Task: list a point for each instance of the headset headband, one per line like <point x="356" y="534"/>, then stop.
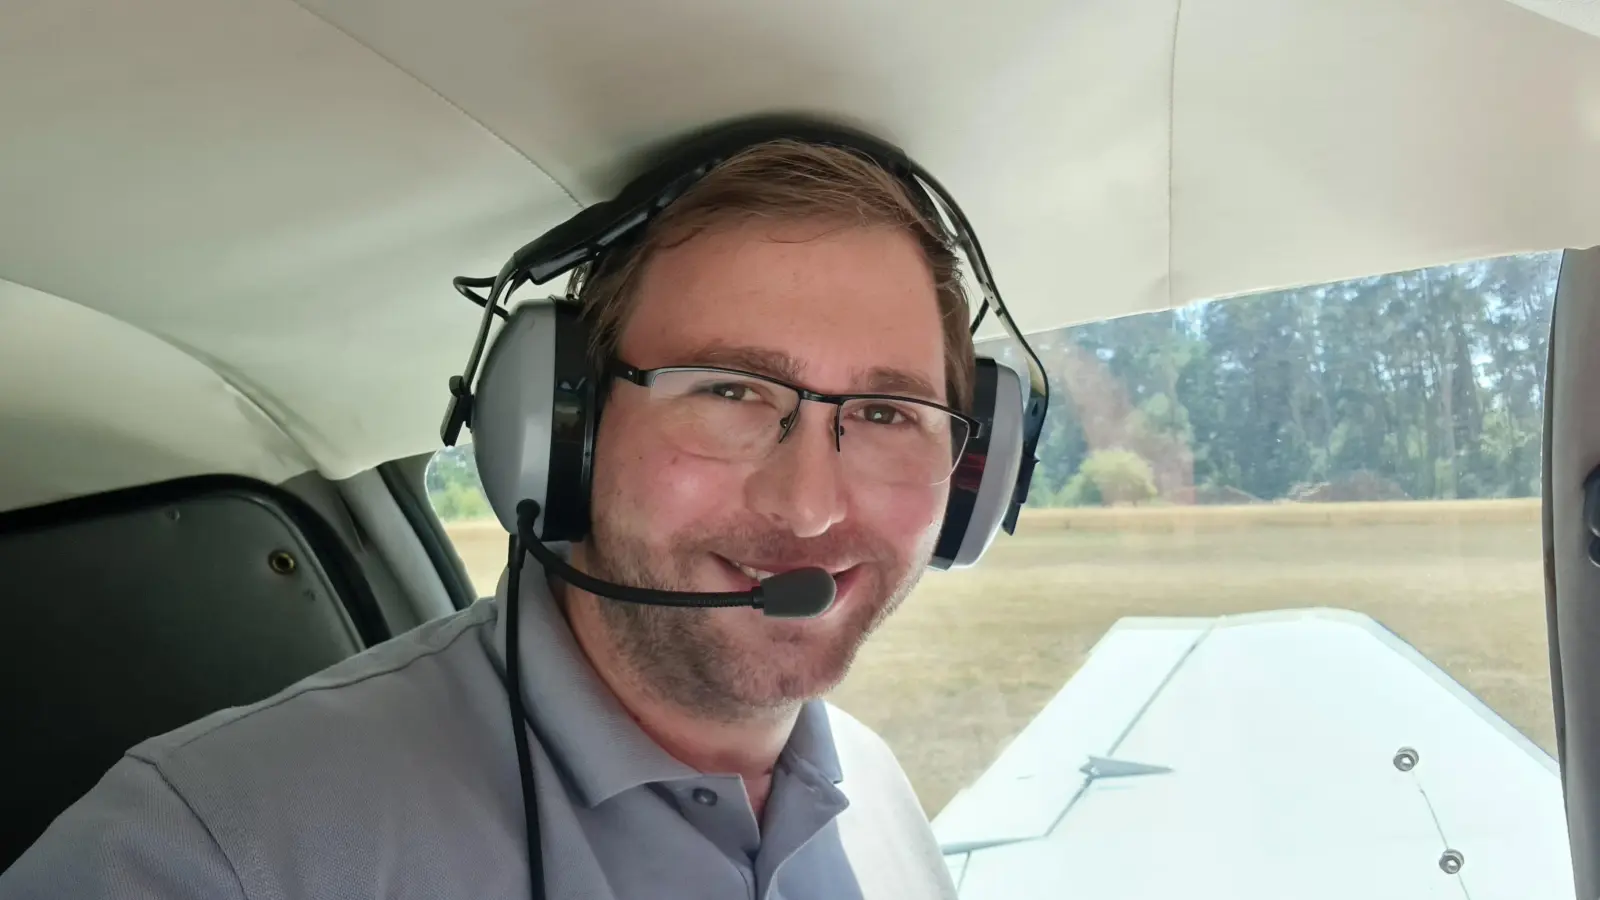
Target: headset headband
<point x="592" y="232"/>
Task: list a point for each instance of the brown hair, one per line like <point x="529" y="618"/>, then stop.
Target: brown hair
<point x="785" y="180"/>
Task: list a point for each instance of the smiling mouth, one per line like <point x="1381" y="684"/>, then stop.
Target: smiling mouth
<point x="752" y="575"/>
<point x="756" y="576"/>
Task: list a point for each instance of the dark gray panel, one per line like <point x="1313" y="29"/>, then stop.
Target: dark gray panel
<point x="139" y="620"/>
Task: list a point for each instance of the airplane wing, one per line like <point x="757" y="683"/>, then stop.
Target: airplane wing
<point x="1298" y="753"/>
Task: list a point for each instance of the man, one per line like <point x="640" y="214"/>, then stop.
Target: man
<point x="676" y="753"/>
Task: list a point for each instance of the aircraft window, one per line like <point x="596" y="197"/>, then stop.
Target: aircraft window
<point x="1275" y="612"/>
<point x="458" y="500"/>
<point x="1278" y="596"/>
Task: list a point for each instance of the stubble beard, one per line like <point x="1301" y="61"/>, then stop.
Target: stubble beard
<point x="695" y="659"/>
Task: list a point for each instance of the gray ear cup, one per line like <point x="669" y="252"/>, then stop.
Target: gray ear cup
<point x="986" y="477"/>
<point x="533" y="419"/>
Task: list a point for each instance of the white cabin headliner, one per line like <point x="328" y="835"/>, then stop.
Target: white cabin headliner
<point x="227" y="231"/>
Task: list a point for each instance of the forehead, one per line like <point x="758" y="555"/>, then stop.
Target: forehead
<point x="840" y="300"/>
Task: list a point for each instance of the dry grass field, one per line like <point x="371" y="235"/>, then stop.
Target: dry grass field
<point x="973" y="655"/>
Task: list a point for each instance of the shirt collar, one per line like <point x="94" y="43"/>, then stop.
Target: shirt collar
<point x="812" y="741"/>
<point x="583" y="726"/>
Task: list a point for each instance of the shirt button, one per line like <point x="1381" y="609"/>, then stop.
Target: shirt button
<point x="704" y="796"/>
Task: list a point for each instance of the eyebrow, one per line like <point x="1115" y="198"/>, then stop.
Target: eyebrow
<point x="780" y="365"/>
<point x="884" y="380"/>
<point x="761" y="361"/>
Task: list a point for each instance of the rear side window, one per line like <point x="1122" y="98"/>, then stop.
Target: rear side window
<point x="458" y="500"/>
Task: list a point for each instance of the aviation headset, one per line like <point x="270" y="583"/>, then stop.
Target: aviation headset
<point x="537" y="403"/>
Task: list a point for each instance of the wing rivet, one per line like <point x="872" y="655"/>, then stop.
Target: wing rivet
<point x="1406" y="759"/>
<point x="1452" y="861"/>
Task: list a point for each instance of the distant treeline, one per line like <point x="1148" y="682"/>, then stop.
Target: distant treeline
<point x="1426" y="385"/>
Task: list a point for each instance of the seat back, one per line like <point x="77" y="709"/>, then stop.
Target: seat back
<point x="132" y="614"/>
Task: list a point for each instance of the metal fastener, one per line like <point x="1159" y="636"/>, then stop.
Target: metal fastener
<point x="281" y="561"/>
<point x="1452" y="861"/>
<point x="1405" y="759"/>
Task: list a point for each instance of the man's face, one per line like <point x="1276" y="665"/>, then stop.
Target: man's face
<point x="832" y="308"/>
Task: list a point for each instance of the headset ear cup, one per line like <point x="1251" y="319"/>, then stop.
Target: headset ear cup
<point x="575" y="410"/>
<point x="533" y="419"/>
<point x="985" y="477"/>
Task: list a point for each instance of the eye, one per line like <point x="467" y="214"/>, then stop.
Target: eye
<point x="730" y="390"/>
<point x="886" y="414"/>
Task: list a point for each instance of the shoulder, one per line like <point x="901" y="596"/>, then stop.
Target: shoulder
<point x="856" y="742"/>
<point x="359" y="760"/>
<point x="884" y="830"/>
<point x="872" y="773"/>
<point x="132" y="836"/>
<point x="357" y="757"/>
<point x="363" y="689"/>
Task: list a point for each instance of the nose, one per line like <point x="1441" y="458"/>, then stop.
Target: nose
<point x="800" y="486"/>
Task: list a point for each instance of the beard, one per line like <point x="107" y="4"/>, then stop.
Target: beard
<point x="736" y="664"/>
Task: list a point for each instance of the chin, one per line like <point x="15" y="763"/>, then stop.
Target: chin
<point x="795" y="671"/>
<point x="727" y="664"/>
<point x="792" y="660"/>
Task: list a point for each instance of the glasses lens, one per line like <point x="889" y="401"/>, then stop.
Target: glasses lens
<point x="740" y="417"/>
<point x="720" y="415"/>
<point x="901" y="441"/>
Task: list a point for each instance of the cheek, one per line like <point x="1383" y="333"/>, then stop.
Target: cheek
<point x="652" y="490"/>
<point x="905" y="515"/>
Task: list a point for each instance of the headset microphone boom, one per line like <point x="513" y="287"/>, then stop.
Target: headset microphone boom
<point x="796" y="594"/>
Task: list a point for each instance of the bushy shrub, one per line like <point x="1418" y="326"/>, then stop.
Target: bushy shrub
<point x="1110" y="478"/>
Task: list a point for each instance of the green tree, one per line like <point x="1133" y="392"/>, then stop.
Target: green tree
<point x="1431" y="380"/>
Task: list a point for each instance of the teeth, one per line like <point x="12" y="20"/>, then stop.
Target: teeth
<point x="756" y="574"/>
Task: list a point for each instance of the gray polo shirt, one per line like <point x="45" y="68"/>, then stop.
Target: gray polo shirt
<point x="393" y="774"/>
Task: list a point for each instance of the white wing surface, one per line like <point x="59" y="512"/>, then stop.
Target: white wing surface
<point x="1304" y="753"/>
